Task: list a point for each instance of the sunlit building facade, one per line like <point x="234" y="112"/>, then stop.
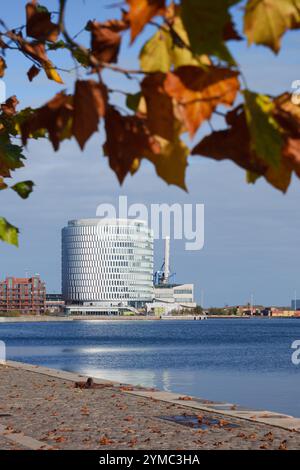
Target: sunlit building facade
<point x="26" y="296"/>
<point x="106" y="263"/>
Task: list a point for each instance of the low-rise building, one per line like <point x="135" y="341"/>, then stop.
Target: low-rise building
<point x="282" y="313"/>
<point x="24" y="295"/>
<point x="181" y="294"/>
<point x="54" y="303"/>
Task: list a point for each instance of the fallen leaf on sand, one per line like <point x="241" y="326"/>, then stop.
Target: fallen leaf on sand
<point x="105" y="441"/>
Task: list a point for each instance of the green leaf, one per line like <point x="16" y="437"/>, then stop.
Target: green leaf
<point x="180" y="46"/>
<point x="265" y="132"/>
<point x="171" y="163"/>
<point x="53" y="46"/>
<point x="252" y="177"/>
<point x="24" y="188"/>
<point x="155" y="55"/>
<point x="133" y="100"/>
<point x="8" y="233"/>
<point x="205" y="22"/>
<point x="10" y="157"/>
<point x="42" y="9"/>
<point x="81" y="57"/>
<point x="266" y="21"/>
<point x="169" y="48"/>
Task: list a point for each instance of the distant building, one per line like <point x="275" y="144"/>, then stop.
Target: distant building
<point x="24" y="295"/>
<point x="295" y="304"/>
<point x="107" y="266"/>
<point x="162" y="308"/>
<point x="54" y="303"/>
<point x="182" y="294"/>
<point x="276" y="312"/>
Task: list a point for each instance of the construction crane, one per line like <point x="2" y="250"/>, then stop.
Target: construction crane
<point x="163" y="276"/>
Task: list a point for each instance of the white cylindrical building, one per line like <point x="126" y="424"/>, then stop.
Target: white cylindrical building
<point x="107" y="261"/>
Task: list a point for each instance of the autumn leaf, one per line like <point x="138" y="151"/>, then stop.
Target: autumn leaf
<point x="33" y="72"/>
<point x="206" y="22"/>
<point x="171" y="163"/>
<point x="141" y="12"/>
<point x="170" y="46"/>
<point x="291" y="152"/>
<point x="265" y="133"/>
<point x="37" y="51"/>
<point x="133" y="100"/>
<point x="3" y="44"/>
<point x="11" y="157"/>
<point x="198" y="92"/>
<point x="160" y="116"/>
<point x="287" y="114"/>
<point x="60" y="439"/>
<point x="266" y="21"/>
<point x="105" y="42"/>
<point x="2" y="184"/>
<point x="127" y="141"/>
<point x="283" y="445"/>
<point x="9" y="106"/>
<point x="230" y="33"/>
<point x="23" y="188"/>
<point x="8" y="233"/>
<point x="2" y="67"/>
<point x="235" y="144"/>
<point x="38" y="23"/>
<point x="52" y="73"/>
<point x="89" y="101"/>
<point x="53" y="116"/>
<point x="155" y="55"/>
<point x="128" y="418"/>
<point x="104" y="441"/>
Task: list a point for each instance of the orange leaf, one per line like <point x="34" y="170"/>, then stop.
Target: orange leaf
<point x="141" y="12"/>
<point x="199" y="91"/>
<point x="60" y="439"/>
<point x="89" y="105"/>
<point x="128" y="418"/>
<point x="105" y="441"/>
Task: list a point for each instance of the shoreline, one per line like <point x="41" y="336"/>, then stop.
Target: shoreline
<point x="122" y="416"/>
<point x="61" y="318"/>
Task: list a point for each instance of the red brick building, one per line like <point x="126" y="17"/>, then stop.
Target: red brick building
<point x="25" y="295"/>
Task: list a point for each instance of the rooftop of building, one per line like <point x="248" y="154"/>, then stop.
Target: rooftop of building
<point x="106" y="221"/>
<point x="21" y="280"/>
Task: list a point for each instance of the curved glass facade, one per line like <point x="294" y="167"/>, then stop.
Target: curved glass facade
<point x="107" y="260"/>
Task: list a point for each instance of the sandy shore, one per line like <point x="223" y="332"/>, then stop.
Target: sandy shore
<point x="41" y="409"/>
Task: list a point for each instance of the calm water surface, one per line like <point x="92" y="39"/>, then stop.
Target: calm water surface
<point x="245" y="361"/>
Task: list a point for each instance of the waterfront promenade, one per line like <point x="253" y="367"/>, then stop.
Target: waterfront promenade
<point x="40" y="408"/>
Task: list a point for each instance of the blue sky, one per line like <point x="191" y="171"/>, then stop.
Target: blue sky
<point x="251" y="232"/>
